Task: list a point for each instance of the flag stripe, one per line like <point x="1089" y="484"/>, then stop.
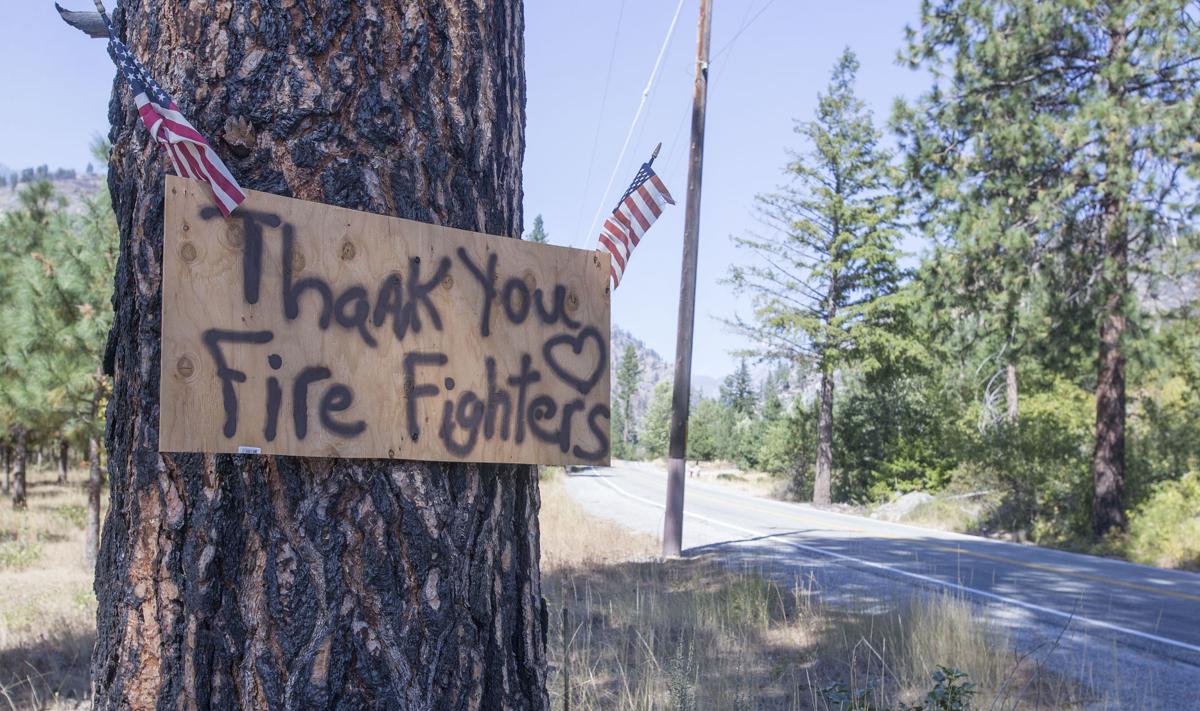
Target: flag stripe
<point x="616" y="231"/>
<point x="218" y="190"/>
<point x="615" y="251"/>
<point x="636" y="230"/>
<point x="662" y="189"/>
<point x="651" y="203"/>
<point x="635" y="210"/>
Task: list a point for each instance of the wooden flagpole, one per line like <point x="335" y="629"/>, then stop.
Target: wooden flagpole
<point x="680" y="400"/>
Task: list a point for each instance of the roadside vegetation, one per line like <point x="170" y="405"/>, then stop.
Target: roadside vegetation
<point x="47" y="607"/>
<point x="639" y="634"/>
<point x="631" y="631"/>
<point x="1043" y="345"/>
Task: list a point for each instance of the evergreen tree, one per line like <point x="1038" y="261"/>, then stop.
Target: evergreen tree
<point x="777" y="447"/>
<point x="706" y="423"/>
<point x="24" y="235"/>
<point x="737" y="391"/>
<point x="776" y="382"/>
<point x="825" y="279"/>
<point x="1053" y="155"/>
<point x="657" y="422"/>
<point x="625" y="429"/>
<point x="442" y="123"/>
<point x="538" y="234"/>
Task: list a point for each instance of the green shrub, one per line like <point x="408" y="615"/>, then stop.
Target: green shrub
<point x="951" y="692"/>
<point x="1041" y="466"/>
<point x="1165" y="530"/>
<point x="19" y="553"/>
<point x="73" y="515"/>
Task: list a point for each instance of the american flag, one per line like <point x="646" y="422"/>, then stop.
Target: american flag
<point x="639" y="207"/>
<point x="189" y="152"/>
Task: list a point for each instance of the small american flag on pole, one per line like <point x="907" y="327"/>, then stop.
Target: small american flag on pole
<point x="639" y="207"/>
<point x="189" y="152"/>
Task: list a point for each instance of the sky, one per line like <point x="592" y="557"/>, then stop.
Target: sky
<point x="587" y="64"/>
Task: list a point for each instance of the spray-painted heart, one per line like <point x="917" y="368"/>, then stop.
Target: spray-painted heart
<point x="576" y="344"/>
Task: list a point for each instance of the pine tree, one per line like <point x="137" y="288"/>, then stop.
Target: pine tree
<point x="707" y="425"/>
<point x="315" y="582"/>
<point x="24" y="236"/>
<point x="1055" y="149"/>
<point x="538" y="234"/>
<point x="737" y="391"/>
<point x="657" y="422"/>
<point x="629" y="370"/>
<point x="825" y="279"/>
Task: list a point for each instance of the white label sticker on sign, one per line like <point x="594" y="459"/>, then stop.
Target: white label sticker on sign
<point x="243" y="449"/>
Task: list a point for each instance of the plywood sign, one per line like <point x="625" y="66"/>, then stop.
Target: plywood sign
<point x="299" y="328"/>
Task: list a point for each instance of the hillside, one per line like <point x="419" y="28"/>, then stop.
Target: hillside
<point x="654" y="369"/>
<point x="75" y="190"/>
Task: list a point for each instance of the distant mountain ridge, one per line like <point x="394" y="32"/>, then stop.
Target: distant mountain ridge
<point x="74" y="190"/>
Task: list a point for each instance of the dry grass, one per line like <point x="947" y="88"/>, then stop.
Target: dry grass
<point x="640" y="633"/>
<point x="691" y="634"/>
<point x="47" y="608"/>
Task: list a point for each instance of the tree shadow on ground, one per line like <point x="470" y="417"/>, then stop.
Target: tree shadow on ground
<point x="49" y="672"/>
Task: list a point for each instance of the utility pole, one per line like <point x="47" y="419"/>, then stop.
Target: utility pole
<point x="681" y="397"/>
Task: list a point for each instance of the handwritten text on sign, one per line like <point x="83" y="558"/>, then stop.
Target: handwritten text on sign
<point x="304" y="329"/>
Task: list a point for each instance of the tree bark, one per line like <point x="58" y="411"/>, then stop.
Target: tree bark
<point x="284" y="582"/>
<point x="91" y="542"/>
<point x="20" y="436"/>
<point x="7" y="451"/>
<point x="1010" y="393"/>
<point x="63" y="460"/>
<point x="1108" y="456"/>
<point x="824" y="468"/>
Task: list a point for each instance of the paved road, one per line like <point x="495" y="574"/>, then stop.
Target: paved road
<point x="1154" y="613"/>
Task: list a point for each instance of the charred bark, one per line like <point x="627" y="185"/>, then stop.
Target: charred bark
<point x="20" y="455"/>
<point x="822" y="480"/>
<point x="277" y="582"/>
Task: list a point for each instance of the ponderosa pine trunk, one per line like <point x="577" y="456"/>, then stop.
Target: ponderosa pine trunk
<point x="20" y="455"/>
<point x="7" y="451"/>
<point x="1108" y="456"/>
<point x="1108" y="453"/>
<point x="293" y="583"/>
<point x="63" y="458"/>
<point x="822" y="481"/>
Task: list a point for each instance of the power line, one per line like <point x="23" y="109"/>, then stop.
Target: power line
<point x="600" y="117"/>
<point x="743" y="25"/>
<point x="725" y="47"/>
<point x="633" y="124"/>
